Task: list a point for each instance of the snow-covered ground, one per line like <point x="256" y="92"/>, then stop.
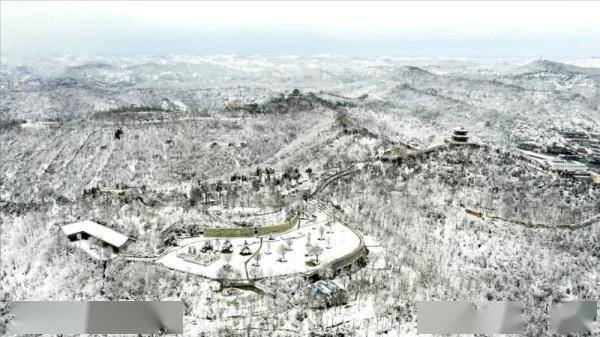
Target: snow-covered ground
<point x="587" y="63"/>
<point x="221" y="216"/>
<point x="342" y="241"/>
<point x="94" y="251"/>
<point x="195" y="164"/>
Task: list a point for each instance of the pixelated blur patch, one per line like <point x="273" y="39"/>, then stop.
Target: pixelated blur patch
<point x="96" y="317"/>
<point x="461" y="317"/>
<point x="572" y="317"/>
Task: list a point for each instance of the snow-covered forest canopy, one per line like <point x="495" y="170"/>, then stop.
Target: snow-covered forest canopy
<point x="161" y="147"/>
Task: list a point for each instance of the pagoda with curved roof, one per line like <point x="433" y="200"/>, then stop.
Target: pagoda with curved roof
<point x="460" y="135"/>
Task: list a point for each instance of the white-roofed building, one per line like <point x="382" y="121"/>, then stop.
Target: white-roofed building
<point x="555" y="164"/>
<point x="97" y="240"/>
<point x="568" y="166"/>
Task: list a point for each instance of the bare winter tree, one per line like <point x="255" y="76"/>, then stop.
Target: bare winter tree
<point x="282" y="250"/>
<point x="256" y="272"/>
<point x="316" y="250"/>
<point x="257" y="258"/>
<point x="321" y="232"/>
<point x="268" y="252"/>
<point x="227" y="258"/>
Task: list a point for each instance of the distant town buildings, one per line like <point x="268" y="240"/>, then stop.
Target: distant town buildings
<point x="567" y="166"/>
<point x="556" y="164"/>
<point x="578" y="145"/>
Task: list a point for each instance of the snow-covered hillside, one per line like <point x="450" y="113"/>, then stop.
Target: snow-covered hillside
<point x="163" y="148"/>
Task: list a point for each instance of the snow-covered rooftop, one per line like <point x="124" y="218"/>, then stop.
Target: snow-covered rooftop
<point x="96" y="230"/>
<point x="540" y="156"/>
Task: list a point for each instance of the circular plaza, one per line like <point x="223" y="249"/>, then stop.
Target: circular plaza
<point x="314" y="245"/>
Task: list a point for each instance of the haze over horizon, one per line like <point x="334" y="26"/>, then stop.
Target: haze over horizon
<point x="554" y="30"/>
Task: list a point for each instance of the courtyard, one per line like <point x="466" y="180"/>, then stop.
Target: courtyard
<point x="317" y="243"/>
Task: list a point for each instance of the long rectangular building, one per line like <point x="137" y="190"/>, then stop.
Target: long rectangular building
<point x="108" y="237"/>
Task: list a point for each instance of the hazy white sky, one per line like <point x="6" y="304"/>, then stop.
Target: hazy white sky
<point x="438" y="29"/>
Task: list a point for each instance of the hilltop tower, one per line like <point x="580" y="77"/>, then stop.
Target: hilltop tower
<point x="460" y="135"/>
